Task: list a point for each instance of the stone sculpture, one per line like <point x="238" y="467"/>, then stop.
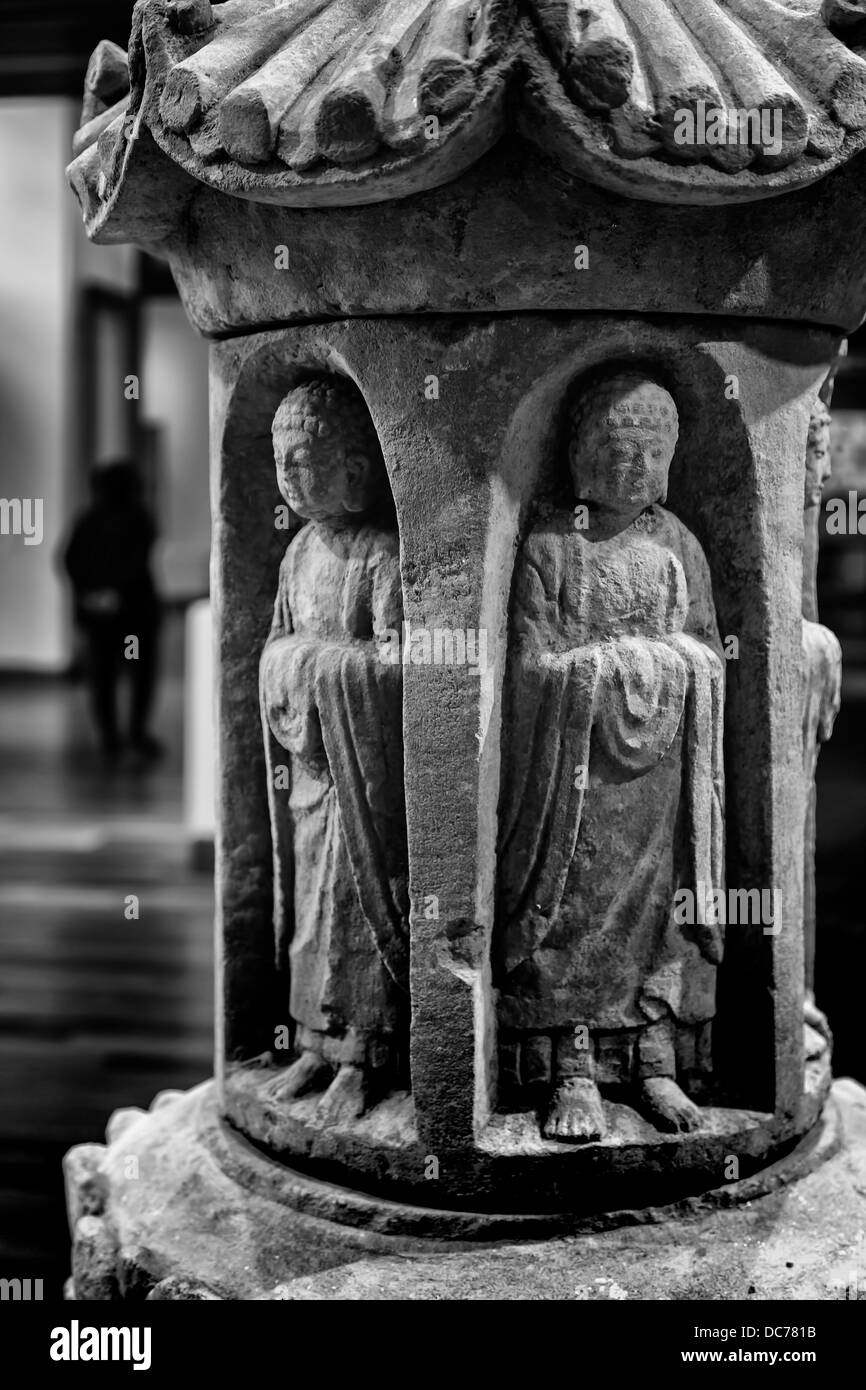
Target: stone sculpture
<point x="614" y="794"/>
<point x="465" y="213"/>
<point x="822" y="685"/>
<point x="329" y="101"/>
<point x="334" y="707"/>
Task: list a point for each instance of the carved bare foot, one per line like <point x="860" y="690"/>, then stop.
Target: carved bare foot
<point x="815" y="1018"/>
<point x="304" y="1075"/>
<point x="575" y="1115"/>
<point x="668" y="1107"/>
<point x="814" y="1042"/>
<point x="345" y="1098"/>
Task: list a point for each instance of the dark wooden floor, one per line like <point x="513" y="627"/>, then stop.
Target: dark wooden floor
<point x="96" y="1011"/>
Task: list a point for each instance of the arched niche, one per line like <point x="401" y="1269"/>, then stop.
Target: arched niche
<point x="465" y="475"/>
<point x="250" y="540"/>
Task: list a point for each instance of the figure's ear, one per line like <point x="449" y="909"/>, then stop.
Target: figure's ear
<point x="358" y="482"/>
<point x="576" y="470"/>
<point x="665" y="480"/>
<point x="279" y="444"/>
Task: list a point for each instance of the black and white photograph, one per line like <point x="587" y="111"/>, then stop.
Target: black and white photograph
<point x="433" y="667"/>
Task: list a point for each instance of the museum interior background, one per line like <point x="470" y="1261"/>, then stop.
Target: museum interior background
<point x="94" y="1009"/>
<point x="97" y="1011"/>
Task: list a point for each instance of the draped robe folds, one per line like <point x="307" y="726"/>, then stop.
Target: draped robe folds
<point x="613" y="787"/>
<point x="340" y="862"/>
<point x="822" y="681"/>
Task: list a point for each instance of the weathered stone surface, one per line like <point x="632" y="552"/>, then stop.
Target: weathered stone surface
<point x="333" y="708"/>
<point x="94" y="1264"/>
<point x="84" y="1193"/>
<point x="250" y="1232"/>
<point x="534" y="258"/>
<point x="121" y="1121"/>
<point x="506" y="383"/>
<point x="106" y="81"/>
<point x="614" y="703"/>
<point x="822" y="669"/>
<point x="502" y="238"/>
<point x="176" y="1289"/>
<point x="353" y="101"/>
<point x="545" y="214"/>
<point x="135" y="1273"/>
<point x="164" y="1098"/>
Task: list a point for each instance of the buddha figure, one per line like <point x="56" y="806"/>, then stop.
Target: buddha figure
<point x="612" y="786"/>
<point x="332" y="720"/>
<point x="822" y="684"/>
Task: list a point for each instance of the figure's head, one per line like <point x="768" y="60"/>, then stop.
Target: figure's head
<point x="116" y="484"/>
<point x="817" y="452"/>
<point x="326" y="450"/>
<point x="622" y="437"/>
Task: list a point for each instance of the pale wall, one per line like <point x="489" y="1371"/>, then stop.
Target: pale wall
<point x="174" y="396"/>
<point x="36" y="304"/>
<point x="45" y="264"/>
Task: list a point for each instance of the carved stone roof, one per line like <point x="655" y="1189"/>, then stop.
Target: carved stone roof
<point x="333" y="102"/>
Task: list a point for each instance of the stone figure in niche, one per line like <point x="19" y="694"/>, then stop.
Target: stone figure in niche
<point x="612" y="795"/>
<point x="332" y="716"/>
<point x="822" y="678"/>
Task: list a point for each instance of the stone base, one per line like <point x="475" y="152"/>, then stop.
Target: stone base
<point x="512" y="1167"/>
<point x="179" y="1207"/>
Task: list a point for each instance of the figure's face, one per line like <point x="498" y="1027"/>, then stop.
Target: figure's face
<point x="621" y="452"/>
<point x="818" y="455"/>
<point x="313" y="475"/>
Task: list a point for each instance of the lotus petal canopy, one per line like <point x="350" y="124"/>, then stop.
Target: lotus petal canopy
<point x="311" y="103"/>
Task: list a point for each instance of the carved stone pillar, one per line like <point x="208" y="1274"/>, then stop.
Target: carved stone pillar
<point x="532" y="319"/>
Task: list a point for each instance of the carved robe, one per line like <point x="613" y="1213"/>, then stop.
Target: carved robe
<point x="339" y="838"/>
<point x="613" y="784"/>
<point x="822" y="687"/>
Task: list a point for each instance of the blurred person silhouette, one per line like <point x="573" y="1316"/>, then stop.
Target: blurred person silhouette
<point x="108" y="561"/>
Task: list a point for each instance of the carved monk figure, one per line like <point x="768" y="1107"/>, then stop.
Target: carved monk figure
<point x="612" y="784"/>
<point x="822" y="682"/>
<point x="332" y="718"/>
